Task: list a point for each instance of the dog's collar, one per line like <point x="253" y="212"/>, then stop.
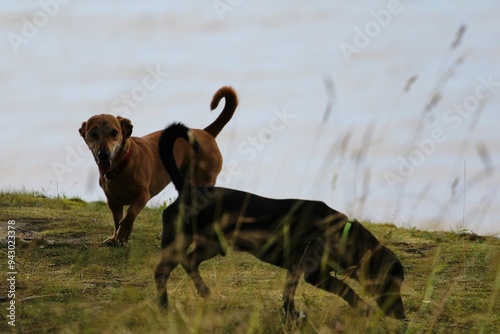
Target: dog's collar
<point x="114" y="173"/>
<point x="345" y="232"/>
<point x="343" y="242"/>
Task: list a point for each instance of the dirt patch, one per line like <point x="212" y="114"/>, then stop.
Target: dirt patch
<point x="77" y="239"/>
<point x="26" y="230"/>
<point x="29" y="231"/>
<point x="415" y="248"/>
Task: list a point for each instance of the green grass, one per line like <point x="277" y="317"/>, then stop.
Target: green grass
<point x="67" y="283"/>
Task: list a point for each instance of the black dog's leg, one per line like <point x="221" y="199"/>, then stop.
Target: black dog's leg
<point x="162" y="273"/>
<point x="193" y="261"/>
<point x="325" y="281"/>
<point x="291" y="282"/>
<point x="173" y="252"/>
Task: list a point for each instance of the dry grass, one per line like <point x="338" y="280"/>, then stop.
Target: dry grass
<point x="67" y="283"/>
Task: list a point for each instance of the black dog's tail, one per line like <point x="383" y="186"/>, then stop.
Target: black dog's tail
<point x="166" y="151"/>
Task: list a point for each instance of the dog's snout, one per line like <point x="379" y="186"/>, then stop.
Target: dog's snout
<point x="103" y="155"/>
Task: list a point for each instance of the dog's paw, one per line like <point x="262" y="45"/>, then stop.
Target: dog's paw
<point x="203" y="291"/>
<point x="112" y="242"/>
<point x="122" y="238"/>
<point x="122" y="242"/>
<point x="294" y="315"/>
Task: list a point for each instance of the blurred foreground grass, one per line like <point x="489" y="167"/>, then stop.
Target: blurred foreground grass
<point x="67" y="283"/>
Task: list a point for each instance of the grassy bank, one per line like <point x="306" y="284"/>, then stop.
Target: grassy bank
<point x="67" y="283"/>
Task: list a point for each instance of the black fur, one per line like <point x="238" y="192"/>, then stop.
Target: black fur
<point x="304" y="237"/>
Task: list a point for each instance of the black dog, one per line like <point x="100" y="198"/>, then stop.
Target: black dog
<point x="304" y="237"/>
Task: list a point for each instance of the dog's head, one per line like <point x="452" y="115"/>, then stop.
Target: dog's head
<point x="383" y="275"/>
<point x="104" y="135"/>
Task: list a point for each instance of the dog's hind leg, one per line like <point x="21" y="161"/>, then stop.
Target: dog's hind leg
<point x="193" y="260"/>
<point x="324" y="281"/>
<point x="291" y="283"/>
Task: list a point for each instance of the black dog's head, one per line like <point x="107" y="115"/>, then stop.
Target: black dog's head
<point x="382" y="275"/>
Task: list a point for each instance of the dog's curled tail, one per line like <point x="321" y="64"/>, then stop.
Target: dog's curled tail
<point x="229" y="94"/>
<point x="166" y="151"/>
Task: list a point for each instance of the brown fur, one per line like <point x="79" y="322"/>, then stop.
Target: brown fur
<point x="143" y="175"/>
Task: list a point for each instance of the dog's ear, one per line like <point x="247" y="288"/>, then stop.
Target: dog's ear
<point x="126" y="125"/>
<point x="83" y="129"/>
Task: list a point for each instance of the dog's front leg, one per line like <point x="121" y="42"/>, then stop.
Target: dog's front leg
<point x="291" y="283"/>
<point x="117" y="211"/>
<point x="194" y="259"/>
<point x="127" y="223"/>
<point x="162" y="273"/>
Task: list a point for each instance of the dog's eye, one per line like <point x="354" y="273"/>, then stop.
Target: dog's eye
<point x="114" y="133"/>
<point x="94" y="135"/>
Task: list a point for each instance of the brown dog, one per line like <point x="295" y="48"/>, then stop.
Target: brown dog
<point x="130" y="169"/>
